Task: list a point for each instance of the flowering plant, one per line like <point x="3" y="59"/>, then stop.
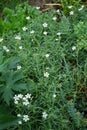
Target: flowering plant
<point x="43" y="69"/>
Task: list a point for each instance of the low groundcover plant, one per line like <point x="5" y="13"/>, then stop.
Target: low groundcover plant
<point x="43" y="69"/>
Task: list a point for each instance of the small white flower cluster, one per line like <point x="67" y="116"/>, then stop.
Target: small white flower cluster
<point x="23" y="99"/>
<point x="5" y="48"/>
<point x="1" y="39"/>
<point x="44" y="115"/>
<point x="25" y="118"/>
<point x="45" y="25"/>
<point x="71" y="12"/>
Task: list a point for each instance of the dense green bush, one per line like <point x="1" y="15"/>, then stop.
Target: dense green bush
<point x="43" y="69"/>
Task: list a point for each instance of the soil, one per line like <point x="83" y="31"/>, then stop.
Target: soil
<point x="44" y="4"/>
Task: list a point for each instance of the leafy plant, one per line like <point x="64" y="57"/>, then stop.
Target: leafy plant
<point x="48" y="90"/>
<point x="10" y="80"/>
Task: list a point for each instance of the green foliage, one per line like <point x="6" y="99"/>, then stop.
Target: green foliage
<point x="6" y="118"/>
<point x="48" y="91"/>
<point x="1" y="26"/>
<point x="12" y="17"/>
<point x="10" y="80"/>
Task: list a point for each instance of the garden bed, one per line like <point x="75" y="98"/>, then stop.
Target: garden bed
<point x="43" y="67"/>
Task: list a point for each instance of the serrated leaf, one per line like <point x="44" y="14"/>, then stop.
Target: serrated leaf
<point x="17" y="76"/>
<point x="19" y="87"/>
<point x="13" y="63"/>
<point x="7" y="94"/>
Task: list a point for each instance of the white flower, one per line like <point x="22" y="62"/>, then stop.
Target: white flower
<point x="27" y="17"/>
<point x="81" y="8"/>
<point x="20" y="96"/>
<point x="71" y="12"/>
<point x="58" y="11"/>
<point x="20" y="47"/>
<point x="16" y="97"/>
<point x="28" y="95"/>
<point x="46" y="74"/>
<point x="5" y="48"/>
<point x="38" y="8"/>
<point x="73" y="48"/>
<point x="19" y="67"/>
<point x="54" y="18"/>
<point x="26" y="103"/>
<point x="19" y="122"/>
<point x="45" y="25"/>
<point x="18" y="115"/>
<point x="45" y="33"/>
<point x="25" y="99"/>
<point x="24" y="28"/>
<point x="16" y="102"/>
<point x="54" y="95"/>
<point x="70" y="6"/>
<point x="44" y="115"/>
<point x="56" y="39"/>
<point x="25" y="118"/>
<point x="32" y="31"/>
<point x="18" y="37"/>
<point x="1" y="39"/>
<point x="47" y="55"/>
<point x="58" y="33"/>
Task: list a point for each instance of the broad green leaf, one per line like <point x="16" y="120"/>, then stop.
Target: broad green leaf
<point x="7" y="94"/>
<point x="19" y="87"/>
<point x="17" y="76"/>
<point x="13" y="63"/>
